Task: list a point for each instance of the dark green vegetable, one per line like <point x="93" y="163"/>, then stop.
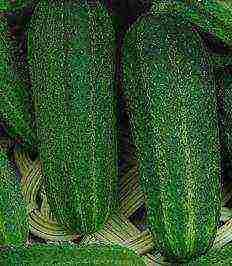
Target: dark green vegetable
<point x="14" y="227"/>
<point x="14" y="103"/>
<point x="173" y="116"/>
<point x="222" y="256"/>
<point x="213" y="16"/>
<point x="13" y="5"/>
<point x="94" y="254"/>
<point x="71" y="54"/>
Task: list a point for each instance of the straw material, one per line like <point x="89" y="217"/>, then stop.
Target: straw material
<point x="40" y="220"/>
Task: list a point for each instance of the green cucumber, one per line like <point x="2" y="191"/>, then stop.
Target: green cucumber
<point x="222" y="256"/>
<point x="13" y="5"/>
<point x="14" y="228"/>
<point x="213" y="16"/>
<point x="71" y="57"/>
<point x="14" y="104"/>
<point x="64" y="254"/>
<point x="167" y="78"/>
<point x="226" y="80"/>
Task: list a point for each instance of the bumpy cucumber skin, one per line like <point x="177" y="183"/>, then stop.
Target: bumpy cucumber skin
<point x="222" y="256"/>
<point x="14" y="104"/>
<point x="227" y="104"/>
<point x="14" y="227"/>
<point x="93" y="254"/>
<point x="71" y="55"/>
<point x="173" y="116"/>
<point x="213" y="16"/>
<point x="13" y="5"/>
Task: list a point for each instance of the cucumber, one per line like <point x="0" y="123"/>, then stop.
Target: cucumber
<point x="14" y="104"/>
<point x="213" y="16"/>
<point x="71" y="58"/>
<point x="13" y="5"/>
<point x="14" y="228"/>
<point x="167" y="78"/>
<point x="64" y="254"/>
<point x="222" y="256"/>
